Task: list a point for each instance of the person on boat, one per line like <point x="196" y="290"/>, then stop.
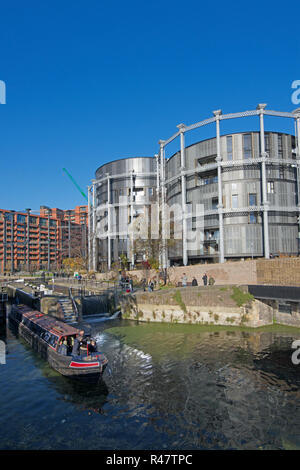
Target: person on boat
<point x="77" y="343"/>
<point x="63" y="348"/>
<point x="92" y="346"/>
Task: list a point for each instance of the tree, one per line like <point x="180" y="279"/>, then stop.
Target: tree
<point x="74" y="264"/>
<point x="147" y="249"/>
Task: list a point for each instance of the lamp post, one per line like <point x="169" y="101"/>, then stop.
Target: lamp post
<point x="27" y="238"/>
<point x="69" y="234"/>
<point x="12" y="252"/>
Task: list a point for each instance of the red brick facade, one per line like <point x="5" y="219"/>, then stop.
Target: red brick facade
<point x="33" y="241"/>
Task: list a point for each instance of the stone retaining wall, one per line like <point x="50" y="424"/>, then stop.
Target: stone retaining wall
<point x="198" y="305"/>
<point x="279" y="271"/>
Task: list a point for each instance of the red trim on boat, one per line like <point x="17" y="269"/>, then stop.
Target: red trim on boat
<point x="81" y="364"/>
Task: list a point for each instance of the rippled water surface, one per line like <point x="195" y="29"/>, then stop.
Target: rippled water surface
<point x="172" y="387"/>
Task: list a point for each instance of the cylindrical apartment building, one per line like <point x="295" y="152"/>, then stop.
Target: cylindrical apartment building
<point x="247" y="184"/>
<point x="121" y="191"/>
<point x="242" y="195"/>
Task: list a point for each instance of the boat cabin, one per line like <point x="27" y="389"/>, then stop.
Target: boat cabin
<point x="58" y="335"/>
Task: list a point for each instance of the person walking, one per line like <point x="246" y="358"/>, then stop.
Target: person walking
<point x="204" y="279"/>
<point x="150" y="286"/>
<point x="184" y="280"/>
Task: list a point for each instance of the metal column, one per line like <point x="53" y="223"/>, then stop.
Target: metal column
<point x="131" y="218"/>
<point x="94" y="230"/>
<point x="181" y="128"/>
<point x="89" y="230"/>
<point x="164" y="252"/>
<point x="155" y="230"/>
<point x="220" y="189"/>
<point x="297" y="122"/>
<point x="265" y="203"/>
<point x="108" y="223"/>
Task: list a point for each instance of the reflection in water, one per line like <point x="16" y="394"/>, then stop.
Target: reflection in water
<point x="175" y="387"/>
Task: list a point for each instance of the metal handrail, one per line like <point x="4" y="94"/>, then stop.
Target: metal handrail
<point x="73" y="303"/>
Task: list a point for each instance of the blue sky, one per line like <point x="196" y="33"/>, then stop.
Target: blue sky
<point x="91" y="81"/>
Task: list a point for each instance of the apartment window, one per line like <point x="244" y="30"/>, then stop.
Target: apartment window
<point x="280" y="151"/>
<point x="214" y="202"/>
<point x="229" y="147"/>
<point x="270" y="187"/>
<point x="234" y="201"/>
<point x="252" y="218"/>
<point x="247" y="146"/>
<point x="210" y="180"/>
<point x="252" y="199"/>
<point x="281" y="172"/>
<point x="21" y="218"/>
<point x="267" y="143"/>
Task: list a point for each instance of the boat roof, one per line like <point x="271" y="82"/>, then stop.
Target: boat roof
<point x="47" y="322"/>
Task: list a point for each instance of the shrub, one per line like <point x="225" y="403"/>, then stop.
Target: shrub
<point x="241" y="297"/>
<point x="177" y="297"/>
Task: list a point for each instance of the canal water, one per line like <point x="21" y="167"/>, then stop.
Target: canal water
<point x="178" y="387"/>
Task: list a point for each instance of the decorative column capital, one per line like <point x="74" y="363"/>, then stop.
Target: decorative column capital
<point x="181" y="127"/>
<point x="261" y="106"/>
<point x="217" y="113"/>
<point x="296" y="112"/>
<point x="161" y="143"/>
<point x="218" y="159"/>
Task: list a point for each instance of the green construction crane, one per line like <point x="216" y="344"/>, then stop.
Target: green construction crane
<point x="74" y="182"/>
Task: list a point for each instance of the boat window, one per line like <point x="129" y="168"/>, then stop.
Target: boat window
<point x="47" y="336"/>
<point x="53" y="341"/>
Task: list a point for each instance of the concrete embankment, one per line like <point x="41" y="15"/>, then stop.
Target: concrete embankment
<point x="106" y="303"/>
<point x="211" y="305"/>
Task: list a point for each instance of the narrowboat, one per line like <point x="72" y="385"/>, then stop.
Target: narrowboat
<point x="54" y="341"/>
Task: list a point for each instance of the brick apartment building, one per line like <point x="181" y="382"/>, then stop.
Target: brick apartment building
<point x="41" y="241"/>
<point x="79" y="215"/>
